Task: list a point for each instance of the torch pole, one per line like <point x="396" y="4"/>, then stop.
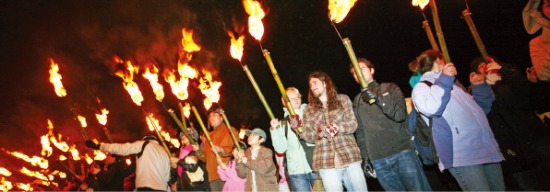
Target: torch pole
<point x="439" y="32"/>
<point x="430" y="35"/>
<point x="204" y="130"/>
<point x="279" y="84"/>
<point x="158" y="133"/>
<point x="107" y="134"/>
<point x="258" y="91"/>
<point x="468" y="18"/>
<point x="182" y="115"/>
<point x="184" y="130"/>
<point x="230" y="130"/>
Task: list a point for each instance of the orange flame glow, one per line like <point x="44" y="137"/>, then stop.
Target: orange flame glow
<point x="179" y="86"/>
<point x="187" y="42"/>
<point x="5" y="172"/>
<point x="210" y="89"/>
<point x="102" y="118"/>
<point x="61" y="145"/>
<point x="155" y="121"/>
<point x="129" y="84"/>
<point x="99" y="156"/>
<point x="187" y="110"/>
<point x="88" y="159"/>
<point x="420" y="3"/>
<point x="46" y="148"/>
<point x="256" y="14"/>
<point x="82" y="121"/>
<point x="167" y="137"/>
<point x="237" y="46"/>
<point x="55" y="79"/>
<point x="34" y="174"/>
<point x="34" y="160"/>
<point x="242" y="133"/>
<point x="152" y="76"/>
<point x="5" y="185"/>
<point x="339" y="9"/>
<point x="62" y="175"/>
<point x="74" y="153"/>
<point x="128" y="161"/>
<point x="62" y="158"/>
<point x="24" y="186"/>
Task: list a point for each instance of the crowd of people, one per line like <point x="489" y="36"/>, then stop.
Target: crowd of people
<point x="486" y="137"/>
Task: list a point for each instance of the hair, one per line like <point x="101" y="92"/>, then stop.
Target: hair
<point x="289" y="89"/>
<point x="214" y="109"/>
<point x="361" y="60"/>
<point x="478" y="60"/>
<point x="425" y="61"/>
<point x="332" y="101"/>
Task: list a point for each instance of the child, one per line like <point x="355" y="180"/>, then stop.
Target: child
<point x="256" y="164"/>
<point x="194" y="176"/>
<point x="228" y="172"/>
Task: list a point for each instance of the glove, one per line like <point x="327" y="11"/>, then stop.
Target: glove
<point x="295" y="122"/>
<point x="92" y="145"/>
<point x="369" y="97"/>
<point x="368" y="169"/>
<point x="328" y="132"/>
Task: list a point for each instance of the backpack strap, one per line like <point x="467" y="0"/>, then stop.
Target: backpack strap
<point x="138" y="155"/>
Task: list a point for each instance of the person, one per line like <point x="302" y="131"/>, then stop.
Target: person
<point x="223" y="145"/>
<point x="383" y="136"/>
<point x="461" y="134"/>
<point x="191" y="172"/>
<point x="91" y="182"/>
<point x="116" y="171"/>
<point x="285" y="141"/>
<point x="534" y="19"/>
<point x="329" y="122"/>
<point x="152" y="161"/>
<point x="256" y="164"/>
<point x="228" y="172"/>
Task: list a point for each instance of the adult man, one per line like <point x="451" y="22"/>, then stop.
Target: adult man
<point x="152" y="162"/>
<point x="329" y="122"/>
<point x="383" y="136"/>
<point x="223" y="145"/>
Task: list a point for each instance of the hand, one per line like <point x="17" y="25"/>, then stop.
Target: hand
<point x="92" y="145"/>
<point x="476" y="79"/>
<point x="274" y="124"/>
<point x="531" y="74"/>
<point x="295" y="121"/>
<point x="369" y="97"/>
<point x="195" y="147"/>
<point x="174" y="162"/>
<point x="449" y="69"/>
<point x="216" y="149"/>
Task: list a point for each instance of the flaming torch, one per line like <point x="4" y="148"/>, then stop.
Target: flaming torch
<point x="467" y="15"/>
<point x="439" y="32"/>
<point x="236" y="50"/>
<point x="256" y="29"/>
<point x="422" y="4"/>
<point x="204" y="130"/>
<point x="83" y="125"/>
<point x="135" y="94"/>
<point x="102" y="119"/>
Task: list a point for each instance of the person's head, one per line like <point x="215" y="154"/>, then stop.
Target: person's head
<point x="256" y="137"/>
<point x="150" y="136"/>
<point x="320" y="85"/>
<point x="191" y="162"/>
<point x="429" y="60"/>
<point x="184" y="140"/>
<point x="478" y="65"/>
<point x="215" y="117"/>
<point x="367" y="69"/>
<point x="236" y="150"/>
<point x="294" y="96"/>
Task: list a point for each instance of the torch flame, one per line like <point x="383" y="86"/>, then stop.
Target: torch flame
<point x="187" y="110"/>
<point x="88" y="159"/>
<point x="55" y="79"/>
<point x="420" y="3"/>
<point x="209" y="89"/>
<point x="24" y="186"/>
<point x="35" y="174"/>
<point x="339" y="9"/>
<point x="129" y="84"/>
<point x="152" y="76"/>
<point x="155" y="121"/>
<point x="62" y="158"/>
<point x="242" y="133"/>
<point x="255" y="25"/>
<point x="34" y="160"/>
<point x="46" y="148"/>
<point x="99" y="156"/>
<point x="74" y="153"/>
<point x="128" y="161"/>
<point x="179" y="86"/>
<point x="5" y="172"/>
<point x="187" y="71"/>
<point x="102" y="118"/>
<point x="61" y="145"/>
<point x="82" y="120"/>
<point x="62" y="175"/>
<point x="5" y="185"/>
<point x="187" y="42"/>
<point x="237" y="45"/>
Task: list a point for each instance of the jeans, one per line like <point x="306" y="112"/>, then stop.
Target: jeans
<point x="401" y="172"/>
<point x="352" y="176"/>
<point x="302" y="182"/>
<point x="484" y="177"/>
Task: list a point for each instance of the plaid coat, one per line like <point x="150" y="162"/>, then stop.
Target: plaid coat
<point x="343" y="145"/>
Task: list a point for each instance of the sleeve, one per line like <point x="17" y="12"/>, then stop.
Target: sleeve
<point x="229" y="143"/>
<point x="263" y="163"/>
<point x="308" y="124"/>
<point x="431" y="100"/>
<point x="393" y="104"/>
<point x="241" y="170"/>
<point x="528" y="22"/>
<point x="484" y="96"/>
<point x="278" y="139"/>
<point x="123" y="149"/>
<point x="223" y="174"/>
<point x="349" y="123"/>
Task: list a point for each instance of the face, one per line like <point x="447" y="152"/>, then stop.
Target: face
<point x="295" y="99"/>
<point x="317" y="87"/>
<point x="215" y="119"/>
<point x="438" y="65"/>
<point x="366" y="71"/>
<point x="482" y="68"/>
<point x="254" y="139"/>
<point x="184" y="140"/>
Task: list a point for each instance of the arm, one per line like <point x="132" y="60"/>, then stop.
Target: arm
<point x="529" y="23"/>
<point x="393" y="104"/>
<point x="309" y="126"/>
<point x="278" y="139"/>
<point x="346" y="119"/>
<point x="123" y="149"/>
<point x="484" y="96"/>
<point x="431" y="100"/>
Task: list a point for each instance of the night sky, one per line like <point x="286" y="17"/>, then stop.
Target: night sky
<point x="83" y="36"/>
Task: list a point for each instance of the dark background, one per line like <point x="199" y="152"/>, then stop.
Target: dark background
<point x="83" y="36"/>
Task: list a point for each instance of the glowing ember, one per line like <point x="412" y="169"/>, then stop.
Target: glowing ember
<point x="55" y="79"/>
<point x="34" y="160"/>
<point x="24" y="186"/>
<point x="339" y="9"/>
<point x="5" y="185"/>
<point x="210" y="89"/>
<point x="237" y="45"/>
<point x="82" y="121"/>
<point x="187" y="42"/>
<point x="102" y="118"/>
<point x="152" y="76"/>
<point x="155" y="121"/>
<point x="420" y="3"/>
<point x="5" y="172"/>
<point x="129" y="84"/>
<point x="256" y="14"/>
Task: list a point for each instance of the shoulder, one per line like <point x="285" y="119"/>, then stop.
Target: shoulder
<point x="343" y="97"/>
